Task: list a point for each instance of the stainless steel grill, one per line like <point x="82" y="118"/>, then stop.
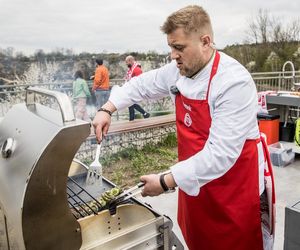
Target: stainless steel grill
<point x="43" y="193"/>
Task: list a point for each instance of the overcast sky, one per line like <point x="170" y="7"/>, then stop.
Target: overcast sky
<point x="120" y="25"/>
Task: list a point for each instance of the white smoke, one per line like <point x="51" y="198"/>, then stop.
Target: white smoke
<point x="40" y="73"/>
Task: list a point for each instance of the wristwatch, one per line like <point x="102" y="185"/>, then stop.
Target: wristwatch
<point x="164" y="185"/>
<point x="105" y="110"/>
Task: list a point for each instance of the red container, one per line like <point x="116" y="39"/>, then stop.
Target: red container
<point x="269" y="125"/>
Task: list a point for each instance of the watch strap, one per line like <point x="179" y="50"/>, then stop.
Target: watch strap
<point x="163" y="183"/>
<point x="105" y="110"/>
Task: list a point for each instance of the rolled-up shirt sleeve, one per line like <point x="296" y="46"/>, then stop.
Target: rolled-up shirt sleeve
<point x="233" y="114"/>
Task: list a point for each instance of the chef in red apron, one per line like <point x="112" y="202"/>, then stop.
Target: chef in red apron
<point x="222" y="205"/>
<point x="223" y="173"/>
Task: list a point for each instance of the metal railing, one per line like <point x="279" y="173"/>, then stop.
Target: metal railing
<point x="13" y="94"/>
<point x="276" y="81"/>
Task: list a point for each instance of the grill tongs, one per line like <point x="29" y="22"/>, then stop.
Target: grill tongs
<point x="123" y="197"/>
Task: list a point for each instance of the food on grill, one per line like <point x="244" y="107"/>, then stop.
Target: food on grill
<point x="96" y="206"/>
<point x="109" y="195"/>
<point x="103" y="200"/>
<point x="116" y="191"/>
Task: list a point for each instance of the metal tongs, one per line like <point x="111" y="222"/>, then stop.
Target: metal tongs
<point x="127" y="194"/>
<point x="123" y="197"/>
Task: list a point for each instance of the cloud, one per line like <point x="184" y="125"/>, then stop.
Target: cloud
<point x="118" y="25"/>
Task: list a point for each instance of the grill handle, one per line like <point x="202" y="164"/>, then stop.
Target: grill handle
<point x="62" y="99"/>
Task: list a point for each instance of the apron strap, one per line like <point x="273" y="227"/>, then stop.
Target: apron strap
<point x="268" y="172"/>
<point x="270" y="169"/>
<point x="213" y="71"/>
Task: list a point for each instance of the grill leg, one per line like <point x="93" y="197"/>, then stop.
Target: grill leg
<point x="170" y="239"/>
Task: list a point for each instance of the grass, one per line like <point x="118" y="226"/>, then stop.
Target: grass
<point x="125" y="167"/>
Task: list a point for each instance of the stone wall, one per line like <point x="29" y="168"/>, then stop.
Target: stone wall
<point x="115" y="142"/>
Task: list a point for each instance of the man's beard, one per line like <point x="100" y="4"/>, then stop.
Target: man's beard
<point x="129" y="65"/>
<point x="191" y="71"/>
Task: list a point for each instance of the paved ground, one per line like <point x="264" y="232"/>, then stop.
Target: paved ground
<point x="287" y="184"/>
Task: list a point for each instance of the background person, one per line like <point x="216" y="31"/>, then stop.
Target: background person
<point x="134" y="69"/>
<point x="80" y="95"/>
<point x="220" y="173"/>
<point x="101" y="83"/>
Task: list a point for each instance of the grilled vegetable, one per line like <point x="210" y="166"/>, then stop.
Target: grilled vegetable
<point x="109" y="195"/>
<point x="102" y="202"/>
<point x="94" y="206"/>
<point x="115" y="191"/>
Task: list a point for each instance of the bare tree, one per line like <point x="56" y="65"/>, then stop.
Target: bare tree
<point x="276" y="30"/>
<point x="293" y="31"/>
<point x="264" y="28"/>
<point x="263" y="21"/>
<point x="252" y="33"/>
<point x="288" y="33"/>
<point x="258" y="29"/>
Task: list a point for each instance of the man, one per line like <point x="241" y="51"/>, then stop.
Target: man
<point x="101" y="83"/>
<point x="220" y="173"/>
<point x="134" y="70"/>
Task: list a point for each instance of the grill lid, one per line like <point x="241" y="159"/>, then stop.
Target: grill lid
<point x="38" y="146"/>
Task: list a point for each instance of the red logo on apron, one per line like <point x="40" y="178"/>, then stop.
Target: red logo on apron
<point x="187" y="120"/>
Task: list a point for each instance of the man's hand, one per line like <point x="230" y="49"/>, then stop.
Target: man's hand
<point x="102" y="121"/>
<point x="152" y="185"/>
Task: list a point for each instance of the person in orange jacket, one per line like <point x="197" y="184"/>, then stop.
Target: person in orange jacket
<point x="101" y="83"/>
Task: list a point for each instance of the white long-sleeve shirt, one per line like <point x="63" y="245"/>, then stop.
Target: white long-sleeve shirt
<point x="233" y="108"/>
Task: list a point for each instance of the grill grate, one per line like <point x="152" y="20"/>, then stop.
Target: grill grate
<point x="81" y="202"/>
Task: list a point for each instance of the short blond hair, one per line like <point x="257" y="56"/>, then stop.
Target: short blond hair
<point x="192" y="18"/>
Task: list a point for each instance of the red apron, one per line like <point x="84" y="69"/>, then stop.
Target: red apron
<point x="226" y="213"/>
